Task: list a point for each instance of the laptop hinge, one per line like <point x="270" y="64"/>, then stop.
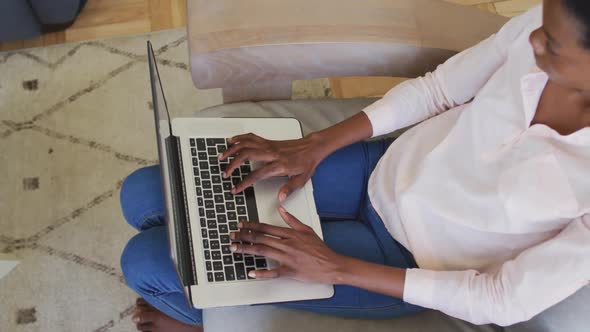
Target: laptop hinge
<point x="184" y="244"/>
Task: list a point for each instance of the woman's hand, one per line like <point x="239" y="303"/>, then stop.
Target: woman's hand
<point x="303" y="256"/>
<point x="301" y="253"/>
<point x="297" y="159"/>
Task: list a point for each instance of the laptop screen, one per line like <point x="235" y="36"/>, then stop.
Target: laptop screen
<point x="170" y="167"/>
<point x="163" y="129"/>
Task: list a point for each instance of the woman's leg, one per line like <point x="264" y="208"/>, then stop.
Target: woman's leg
<point x="340" y="192"/>
<point x="142" y="200"/>
<point x="340" y="180"/>
<point x="149" y="271"/>
<point x="146" y="262"/>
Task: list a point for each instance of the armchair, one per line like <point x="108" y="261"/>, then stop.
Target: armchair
<point x="254" y="49"/>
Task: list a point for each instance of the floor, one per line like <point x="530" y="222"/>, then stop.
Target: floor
<point x="111" y="18"/>
<point x="65" y="147"/>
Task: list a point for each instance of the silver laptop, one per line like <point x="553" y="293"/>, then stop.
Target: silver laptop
<point x="201" y="211"/>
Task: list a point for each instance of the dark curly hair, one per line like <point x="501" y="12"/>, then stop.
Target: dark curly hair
<point x="581" y="10"/>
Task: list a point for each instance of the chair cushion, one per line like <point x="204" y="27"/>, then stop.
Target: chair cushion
<point x="272" y="319"/>
<point x="571" y="315"/>
<point x="317" y="114"/>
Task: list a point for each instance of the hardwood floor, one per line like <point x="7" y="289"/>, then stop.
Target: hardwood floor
<point x="111" y="18"/>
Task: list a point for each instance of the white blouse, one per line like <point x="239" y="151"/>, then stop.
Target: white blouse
<point x="495" y="211"/>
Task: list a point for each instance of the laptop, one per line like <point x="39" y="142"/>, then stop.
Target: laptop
<point x="201" y="211"/>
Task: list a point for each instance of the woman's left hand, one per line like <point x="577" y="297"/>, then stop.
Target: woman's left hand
<point x="301" y="253"/>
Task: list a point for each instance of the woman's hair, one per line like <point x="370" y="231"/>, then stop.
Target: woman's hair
<point x="581" y="10"/>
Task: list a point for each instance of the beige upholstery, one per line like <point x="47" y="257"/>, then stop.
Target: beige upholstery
<point x="314" y="114"/>
<point x="569" y="316"/>
<point x="254" y="49"/>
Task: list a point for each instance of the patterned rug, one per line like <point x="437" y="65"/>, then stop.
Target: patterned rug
<point x="75" y="120"/>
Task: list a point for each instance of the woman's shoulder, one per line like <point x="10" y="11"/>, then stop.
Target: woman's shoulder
<point x="524" y="23"/>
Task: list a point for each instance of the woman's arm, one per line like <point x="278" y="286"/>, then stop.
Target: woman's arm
<point x="453" y="83"/>
<point x="305" y="257"/>
<point x="376" y="278"/>
<point x="297" y="159"/>
<point x="536" y="279"/>
<point x="352" y="130"/>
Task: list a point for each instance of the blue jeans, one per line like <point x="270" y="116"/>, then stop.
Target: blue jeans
<point x="349" y="223"/>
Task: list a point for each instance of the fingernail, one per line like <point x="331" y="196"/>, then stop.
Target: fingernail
<point x="135" y="319"/>
<point x="282" y="197"/>
<point x="233" y="248"/>
<point x="232" y="236"/>
<point x="252" y="274"/>
<point x="233" y="190"/>
<point x="224" y="175"/>
<point x="219" y="156"/>
<point x="240" y="225"/>
<point x="282" y="209"/>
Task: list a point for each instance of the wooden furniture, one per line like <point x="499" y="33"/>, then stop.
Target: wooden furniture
<point x="254" y="49"/>
<point x="114" y="18"/>
<point x="111" y="18"/>
<point x="362" y="87"/>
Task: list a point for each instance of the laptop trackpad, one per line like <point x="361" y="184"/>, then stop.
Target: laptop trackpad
<point x="268" y="203"/>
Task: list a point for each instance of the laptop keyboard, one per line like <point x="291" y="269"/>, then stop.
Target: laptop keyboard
<point x="220" y="211"/>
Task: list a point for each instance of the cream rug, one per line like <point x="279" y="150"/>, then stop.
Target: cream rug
<point x="75" y="120"/>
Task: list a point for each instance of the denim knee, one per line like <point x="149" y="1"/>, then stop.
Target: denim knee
<point x="131" y="263"/>
<point x="143" y="260"/>
<point x="149" y="271"/>
<point x="141" y="197"/>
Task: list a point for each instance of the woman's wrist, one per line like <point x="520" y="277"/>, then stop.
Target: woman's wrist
<point x="343" y="271"/>
<point x="322" y="145"/>
<point x="352" y="130"/>
<point x="374" y="277"/>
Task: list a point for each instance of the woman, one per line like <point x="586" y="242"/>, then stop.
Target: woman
<point x="480" y="212"/>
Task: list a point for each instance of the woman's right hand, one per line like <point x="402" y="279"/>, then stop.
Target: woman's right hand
<point x="296" y="159"/>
